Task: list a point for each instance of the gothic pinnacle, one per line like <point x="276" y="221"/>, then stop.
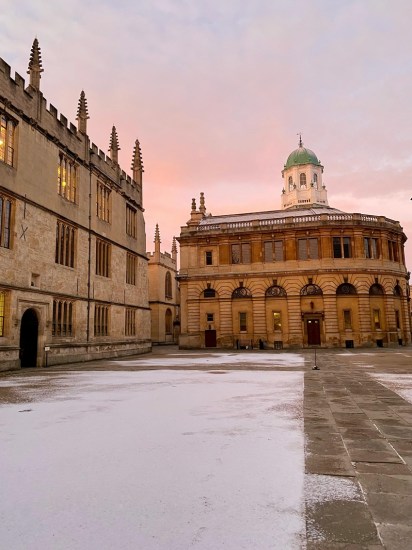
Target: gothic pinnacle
<point x="137" y="162"/>
<point x="114" y="146"/>
<point x="35" y="65"/>
<point x="82" y="114"/>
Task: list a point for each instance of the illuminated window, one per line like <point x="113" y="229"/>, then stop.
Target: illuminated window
<point x="130" y="322"/>
<point x="67" y="178"/>
<point x="103" y="202"/>
<point x="2" y="310"/>
<point x="347" y="319"/>
<point x="62" y="318"/>
<point x="101" y="320"/>
<point x="65" y="244"/>
<point x="102" y="258"/>
<point x="242" y="321"/>
<point x="131" y="221"/>
<point x="376" y="319"/>
<point x="7" y="137"/>
<point x="277" y="320"/>
<point x="131" y="268"/>
<point x="5" y="221"/>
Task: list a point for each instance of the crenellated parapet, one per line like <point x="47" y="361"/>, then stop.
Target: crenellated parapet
<point x="27" y="104"/>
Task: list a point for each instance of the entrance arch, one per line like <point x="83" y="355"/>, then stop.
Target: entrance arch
<point x="29" y="332"/>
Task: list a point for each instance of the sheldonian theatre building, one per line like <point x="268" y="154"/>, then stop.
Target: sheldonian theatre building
<point x="305" y="275"/>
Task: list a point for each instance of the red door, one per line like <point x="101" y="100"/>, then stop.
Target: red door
<point x="313" y="327"/>
<point x="210" y="338"/>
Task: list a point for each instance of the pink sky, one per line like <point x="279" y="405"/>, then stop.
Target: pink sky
<point x="216" y="92"/>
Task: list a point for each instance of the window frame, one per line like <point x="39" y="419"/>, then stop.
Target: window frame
<point x="8" y="126"/>
<point x="277" y="321"/>
<point x="66" y="237"/>
<point x="103" y="258"/>
<point x="62" y="323"/>
<point x="242" y="321"/>
<point x="243" y="254"/>
<point x="6" y="211"/>
<point x="131" y="221"/>
<point x="131" y="268"/>
<point x="67" y="178"/>
<point x="208" y="257"/>
<point x="103" y="201"/>
<point x="101" y="320"/>
<point x="130" y="321"/>
<point x="308" y="248"/>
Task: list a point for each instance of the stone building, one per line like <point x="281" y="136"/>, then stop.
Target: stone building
<point x="164" y="297"/>
<point x="305" y="275"/>
<point x="73" y="265"/>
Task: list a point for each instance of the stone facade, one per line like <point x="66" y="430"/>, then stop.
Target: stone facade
<point x="73" y="277"/>
<point x="164" y="296"/>
<point x="306" y="275"/>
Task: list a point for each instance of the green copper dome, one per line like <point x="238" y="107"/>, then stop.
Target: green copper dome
<point x="302" y="156"/>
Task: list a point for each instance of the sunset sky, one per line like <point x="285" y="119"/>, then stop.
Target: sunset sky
<point x="217" y="90"/>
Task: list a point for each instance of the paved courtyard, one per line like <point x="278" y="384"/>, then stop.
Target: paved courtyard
<point x="179" y="450"/>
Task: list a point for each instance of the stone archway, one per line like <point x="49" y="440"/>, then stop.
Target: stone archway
<point x="29" y="332"/>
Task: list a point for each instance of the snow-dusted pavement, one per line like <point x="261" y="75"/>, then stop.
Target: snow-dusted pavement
<point x="159" y="459"/>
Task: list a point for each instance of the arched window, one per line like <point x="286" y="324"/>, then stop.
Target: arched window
<point x="315" y="181"/>
<point x="168" y="285"/>
<point x="302" y="180"/>
<point x="241" y="292"/>
<point x="397" y="291"/>
<point x="290" y="181"/>
<point x="345" y="289"/>
<point x="275" y="291"/>
<point x="376" y="290"/>
<point x="209" y="293"/>
<point x="311" y="290"/>
<point x="168" y="321"/>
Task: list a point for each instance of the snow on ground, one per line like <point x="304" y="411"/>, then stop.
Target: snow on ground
<point x="399" y="383"/>
<point x="260" y="360"/>
<point x="164" y="460"/>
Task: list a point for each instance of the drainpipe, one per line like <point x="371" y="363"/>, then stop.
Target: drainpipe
<point x="89" y="251"/>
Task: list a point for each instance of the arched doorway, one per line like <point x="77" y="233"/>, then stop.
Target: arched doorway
<point x="29" y="331"/>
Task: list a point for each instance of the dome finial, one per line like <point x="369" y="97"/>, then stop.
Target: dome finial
<point x="300" y="139"/>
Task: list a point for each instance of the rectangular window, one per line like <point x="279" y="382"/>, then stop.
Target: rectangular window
<point x="130" y="322"/>
<point x="209" y="317"/>
<point x="209" y="257"/>
<point x="65" y="244"/>
<point x="7" y="137"/>
<point x="371" y="247"/>
<point x="342" y="247"/>
<point x="397" y="319"/>
<point x="277" y="320"/>
<point x="2" y="311"/>
<point x="5" y="221"/>
<point x="273" y="251"/>
<point x="241" y="253"/>
<point x="308" y="249"/>
<point x="347" y="319"/>
<point x="242" y="321"/>
<point x="376" y="319"/>
<point x="67" y="178"/>
<point x="103" y="202"/>
<point x="102" y="258"/>
<point x="393" y="251"/>
<point x="101" y="320"/>
<point x="62" y="318"/>
<point x="131" y="263"/>
<point x="131" y="221"/>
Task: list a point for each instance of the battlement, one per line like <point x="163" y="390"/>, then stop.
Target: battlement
<point x="31" y="106"/>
